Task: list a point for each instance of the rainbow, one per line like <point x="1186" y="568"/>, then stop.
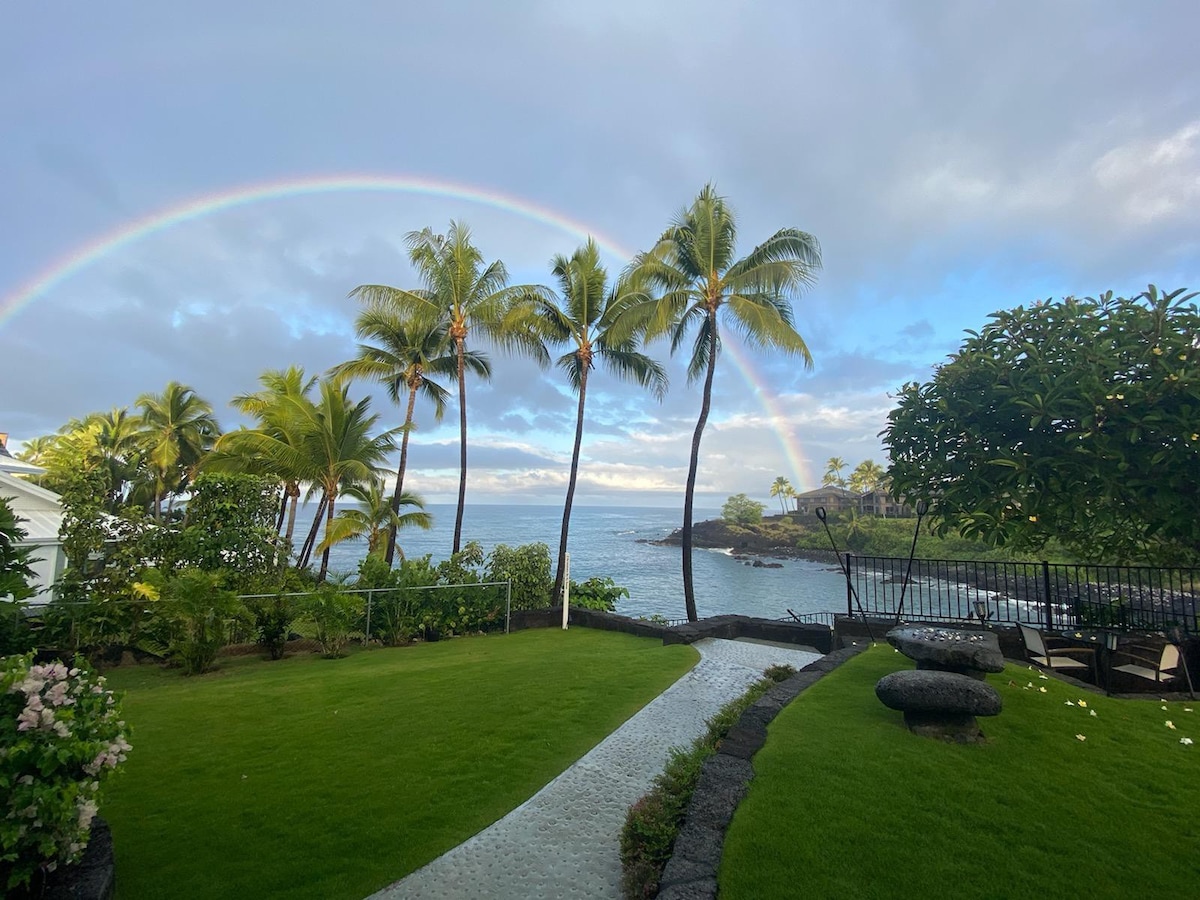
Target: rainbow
<point x="111" y="242"/>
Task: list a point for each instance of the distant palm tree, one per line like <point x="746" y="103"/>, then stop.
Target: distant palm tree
<point x="378" y="519"/>
<point x="781" y="488"/>
<point x="179" y="428"/>
<point x="405" y="352"/>
<point x="695" y="276"/>
<point x="468" y="295"/>
<point x="868" y="475"/>
<point x="583" y="317"/>
<point x="833" y="472"/>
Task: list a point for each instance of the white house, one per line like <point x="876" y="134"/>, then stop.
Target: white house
<point x="42" y="511"/>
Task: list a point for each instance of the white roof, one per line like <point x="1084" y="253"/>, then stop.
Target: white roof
<point x="41" y="508"/>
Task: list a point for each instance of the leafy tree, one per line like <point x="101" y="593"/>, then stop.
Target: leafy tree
<point x="467" y="295"/>
<point x="696" y="281"/>
<point x="583" y="317"/>
<point x="833" y="472"/>
<point x="598" y="592"/>
<point x="230" y="525"/>
<point x="179" y="428"/>
<point x="782" y="488"/>
<point x="741" y="510"/>
<point x="1077" y="420"/>
<point x="405" y="353"/>
<point x="868" y="475"/>
<point x="199" y="611"/>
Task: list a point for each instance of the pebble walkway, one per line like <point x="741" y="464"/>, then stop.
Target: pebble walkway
<point x="562" y="842"/>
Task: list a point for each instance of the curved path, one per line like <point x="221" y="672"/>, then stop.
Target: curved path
<point x="562" y="842"/>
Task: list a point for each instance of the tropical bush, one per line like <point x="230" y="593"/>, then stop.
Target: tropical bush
<point x="15" y="575"/>
<point x="198" y="611"/>
<point x="598" y="592"/>
<point x="61" y="736"/>
<point x="272" y="617"/>
<point x="527" y="567"/>
<point x="333" y="613"/>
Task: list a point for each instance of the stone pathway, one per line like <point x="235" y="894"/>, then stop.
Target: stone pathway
<point x="562" y="842"/>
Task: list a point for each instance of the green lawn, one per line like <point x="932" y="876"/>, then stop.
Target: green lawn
<point x="332" y="778"/>
<point x="847" y="803"/>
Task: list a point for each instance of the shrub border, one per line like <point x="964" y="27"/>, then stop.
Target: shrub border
<point x="691" y="872"/>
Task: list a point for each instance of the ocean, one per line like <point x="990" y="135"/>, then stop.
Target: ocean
<point x="606" y="540"/>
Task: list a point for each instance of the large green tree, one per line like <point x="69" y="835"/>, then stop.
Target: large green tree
<point x="696" y="281"/>
<point x="377" y="519"/>
<point x="583" y="316"/>
<point x="868" y="475"/>
<point x="470" y="296"/>
<point x="405" y="353"/>
<point x="1077" y="420"/>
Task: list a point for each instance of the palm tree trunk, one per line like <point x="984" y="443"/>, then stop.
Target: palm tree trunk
<point x="293" y="495"/>
<point x="559" y="575"/>
<point x="689" y="591"/>
<point x="283" y="505"/>
<point x="462" y="443"/>
<point x="391" y="541"/>
<point x="332" y="496"/>
<point x="311" y="540"/>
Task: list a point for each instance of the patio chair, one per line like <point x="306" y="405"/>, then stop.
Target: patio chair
<point x="1150" y="662"/>
<point x="1040" y="654"/>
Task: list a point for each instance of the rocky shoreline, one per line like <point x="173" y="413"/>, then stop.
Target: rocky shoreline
<point x="748" y="544"/>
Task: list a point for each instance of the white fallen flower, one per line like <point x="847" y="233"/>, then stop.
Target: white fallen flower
<point x="1081" y="737"/>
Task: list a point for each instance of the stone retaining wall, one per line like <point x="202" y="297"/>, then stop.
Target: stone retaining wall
<point x="691" y="873"/>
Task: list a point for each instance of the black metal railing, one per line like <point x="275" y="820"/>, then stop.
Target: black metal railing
<point x="1134" y="598"/>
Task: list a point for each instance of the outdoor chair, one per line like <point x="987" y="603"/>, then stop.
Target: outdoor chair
<point x="1150" y="662"/>
<point x="1040" y="654"/>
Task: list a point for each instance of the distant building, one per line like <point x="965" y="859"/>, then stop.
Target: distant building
<point x="832" y="498"/>
<point x="42" y="513"/>
<point x="881" y="503"/>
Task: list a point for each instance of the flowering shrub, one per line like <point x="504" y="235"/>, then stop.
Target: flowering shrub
<point x="60" y="736"/>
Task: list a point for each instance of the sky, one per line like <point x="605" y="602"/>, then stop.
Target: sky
<point x="952" y="159"/>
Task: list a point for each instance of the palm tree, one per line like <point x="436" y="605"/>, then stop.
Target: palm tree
<point x="781" y="488"/>
<point x="466" y="294"/>
<point x="833" y="472"/>
<point x="868" y="475"/>
<point x="697" y="280"/>
<point x="337" y="449"/>
<point x="179" y="428"/>
<point x="379" y="518"/>
<point x="406" y="351"/>
<point x="583" y="318"/>
<point x="254" y="449"/>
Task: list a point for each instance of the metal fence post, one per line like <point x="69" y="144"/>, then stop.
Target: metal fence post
<point x="507" y="604"/>
<point x="1046" y="588"/>
<point x="849" y="590"/>
<point x="370" y="598"/>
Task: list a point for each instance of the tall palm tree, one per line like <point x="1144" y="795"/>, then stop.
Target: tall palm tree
<point x="405" y="353"/>
<point x="252" y="449"/>
<point x="469" y="296"/>
<point x="583" y="318"/>
<point x="780" y="488"/>
<point x="833" y="472"/>
<point x="697" y="281"/>
<point x="179" y="428"/>
<point x="379" y="518"/>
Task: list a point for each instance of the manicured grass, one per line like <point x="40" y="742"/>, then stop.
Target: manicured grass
<point x="847" y="803"/>
<point x="332" y="778"/>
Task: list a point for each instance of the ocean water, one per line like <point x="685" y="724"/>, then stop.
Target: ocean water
<point x="607" y="540"/>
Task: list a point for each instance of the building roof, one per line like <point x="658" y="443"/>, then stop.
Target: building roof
<point x="41" y="509"/>
<point x="9" y="463"/>
<point x="826" y="491"/>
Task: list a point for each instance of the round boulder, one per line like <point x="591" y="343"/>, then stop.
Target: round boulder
<point x="945" y="693"/>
